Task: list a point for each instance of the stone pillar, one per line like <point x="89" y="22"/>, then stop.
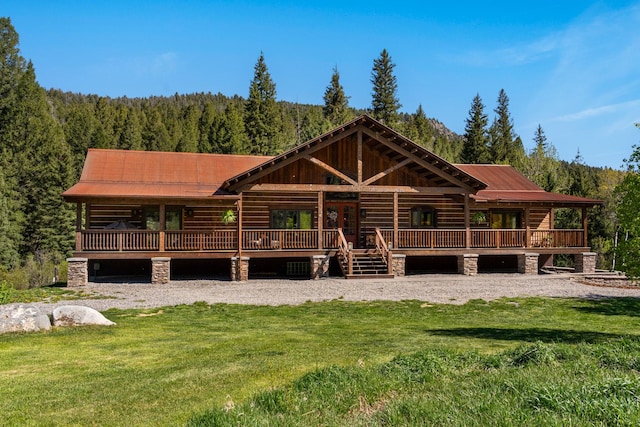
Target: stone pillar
<point x="160" y="270"/>
<point x="528" y="263"/>
<point x="239" y="269"/>
<point x="77" y="272"/>
<point x="585" y="262"/>
<point x="398" y="263"/>
<point x="319" y="266"/>
<point x="468" y="264"/>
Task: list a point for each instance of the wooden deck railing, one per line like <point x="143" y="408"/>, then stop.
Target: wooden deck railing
<point x="383" y="250"/>
<point x="120" y="240"/>
<point x="201" y="240"/>
<point x="432" y="238"/>
<point x="147" y="240"/>
<point x="279" y="239"/>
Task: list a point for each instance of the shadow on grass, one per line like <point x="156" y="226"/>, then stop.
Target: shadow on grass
<point x="625" y="306"/>
<point x="528" y="334"/>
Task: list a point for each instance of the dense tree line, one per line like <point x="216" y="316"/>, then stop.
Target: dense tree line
<point x="44" y="137"/>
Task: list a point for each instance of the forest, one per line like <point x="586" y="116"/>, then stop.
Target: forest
<point x="45" y="134"/>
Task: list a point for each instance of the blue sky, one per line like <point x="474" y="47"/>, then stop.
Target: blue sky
<point x="571" y="66"/>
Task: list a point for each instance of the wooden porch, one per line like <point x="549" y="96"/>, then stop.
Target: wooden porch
<point x="279" y="240"/>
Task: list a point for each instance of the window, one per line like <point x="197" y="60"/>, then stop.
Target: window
<point x="505" y="219"/>
<point x="423" y="217"/>
<point x="292" y="219"/>
<point x="173" y="217"/>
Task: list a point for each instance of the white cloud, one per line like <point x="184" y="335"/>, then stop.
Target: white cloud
<point x="598" y="111"/>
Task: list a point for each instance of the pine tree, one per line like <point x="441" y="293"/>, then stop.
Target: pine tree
<point x="188" y="142"/>
<point x="474" y="148"/>
<point x="541" y="166"/>
<point x="336" y="103"/>
<point x="420" y="130"/>
<point x="384" y="102"/>
<point x="262" y="115"/>
<point x="505" y="147"/>
<point x="314" y="124"/>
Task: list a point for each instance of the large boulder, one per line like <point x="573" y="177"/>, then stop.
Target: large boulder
<point x="76" y="315"/>
<point x="22" y="318"/>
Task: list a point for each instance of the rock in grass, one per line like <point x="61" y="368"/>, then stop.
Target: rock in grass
<point x="76" y="315"/>
<point x="22" y="318"/>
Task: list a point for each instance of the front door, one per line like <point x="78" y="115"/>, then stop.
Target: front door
<point x="343" y="215"/>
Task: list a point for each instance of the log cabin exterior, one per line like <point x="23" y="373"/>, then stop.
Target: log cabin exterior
<point x="361" y="194"/>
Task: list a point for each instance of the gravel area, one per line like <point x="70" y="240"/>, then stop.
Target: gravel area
<point x="435" y="288"/>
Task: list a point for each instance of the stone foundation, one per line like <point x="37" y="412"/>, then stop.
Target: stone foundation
<point x="528" y="263"/>
<point x="398" y="263"/>
<point x="319" y="266"/>
<point x="239" y="269"/>
<point x="160" y="270"/>
<point x="77" y="272"/>
<point x="468" y="264"/>
<point x="585" y="262"/>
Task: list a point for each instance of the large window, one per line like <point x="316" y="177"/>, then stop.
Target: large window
<point x="301" y="219"/>
<point x="172" y="218"/>
<point x="423" y="217"/>
<point x="506" y="219"/>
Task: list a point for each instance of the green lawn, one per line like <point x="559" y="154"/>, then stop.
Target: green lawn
<point x="166" y="366"/>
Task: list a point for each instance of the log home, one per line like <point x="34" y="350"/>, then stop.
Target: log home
<point x="361" y="198"/>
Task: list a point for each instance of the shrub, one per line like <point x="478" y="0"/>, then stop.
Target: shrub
<point x="6" y="292"/>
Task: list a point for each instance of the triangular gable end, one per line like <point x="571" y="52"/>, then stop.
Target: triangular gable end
<point x="362" y="154"/>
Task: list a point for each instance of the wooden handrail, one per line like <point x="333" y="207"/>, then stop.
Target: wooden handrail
<point x="383" y="250"/>
<point x="344" y="253"/>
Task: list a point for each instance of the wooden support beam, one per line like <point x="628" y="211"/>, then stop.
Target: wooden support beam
<point x="420" y="160"/>
<point x="354" y="188"/>
<point x="331" y="169"/>
<point x="320" y="219"/>
<point x="467" y="221"/>
<point x="359" y="157"/>
<point x="240" y="227"/>
<point x="387" y="171"/>
<point x="395" y="220"/>
<point x="162" y="226"/>
<point x="584" y="227"/>
<point x="287" y="158"/>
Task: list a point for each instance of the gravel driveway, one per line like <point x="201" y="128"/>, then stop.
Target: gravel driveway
<point x="436" y="288"/>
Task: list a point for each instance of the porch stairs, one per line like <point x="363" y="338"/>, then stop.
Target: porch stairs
<point x="366" y="264"/>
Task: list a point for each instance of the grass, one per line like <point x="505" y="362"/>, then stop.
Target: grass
<point x="354" y="363"/>
<point x="54" y="293"/>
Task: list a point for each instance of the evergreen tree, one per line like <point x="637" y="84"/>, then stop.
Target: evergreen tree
<point x="541" y="166"/>
<point x="384" y="102"/>
<point x="505" y="147"/>
<point x="11" y="219"/>
<point x="204" y="127"/>
<point x="131" y="134"/>
<point x="227" y="134"/>
<point x="419" y="129"/>
<point x="336" y="103"/>
<point x="262" y="116"/>
<point x="474" y="148"/>
<point x="314" y="124"/>
<point x="188" y="142"/>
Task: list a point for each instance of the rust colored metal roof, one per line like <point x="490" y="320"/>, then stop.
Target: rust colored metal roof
<point x="149" y="174"/>
<point x="506" y="185"/>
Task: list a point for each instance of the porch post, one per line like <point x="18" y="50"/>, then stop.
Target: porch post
<point x="162" y="226"/>
<point x="552" y="219"/>
<point x="467" y="221"/>
<point x="527" y="225"/>
<point x="79" y="226"/>
<point x="395" y="220"/>
<point x="320" y="220"/>
<point x="240" y="227"/>
<point x="584" y="227"/>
